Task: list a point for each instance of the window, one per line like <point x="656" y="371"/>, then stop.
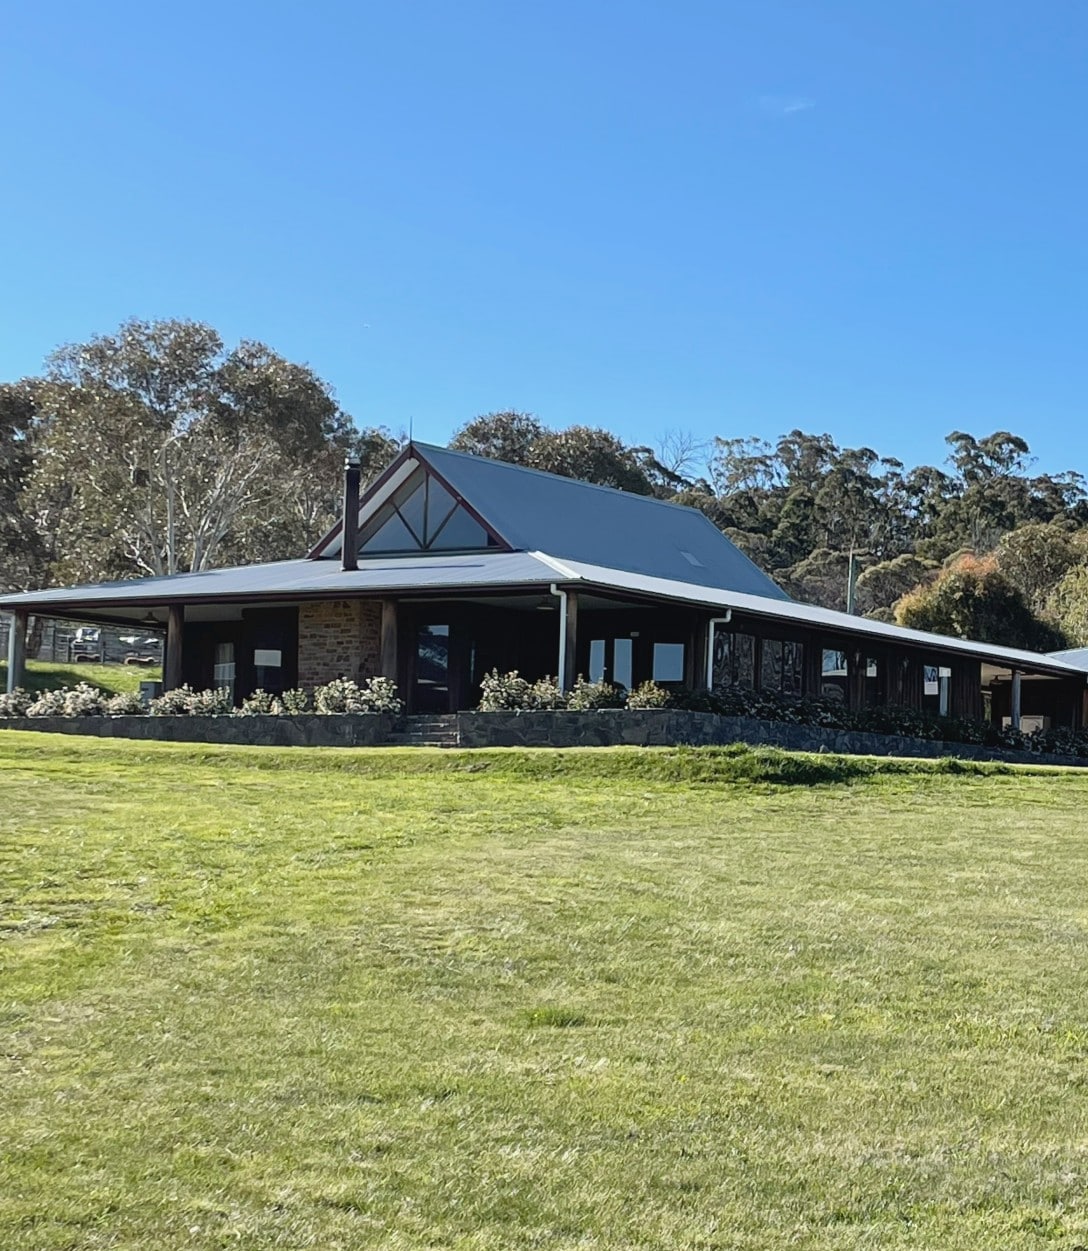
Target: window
<point x="833" y="676"/>
<point x="268" y="669"/>
<point x="668" y="662"/>
<point x="596" y="660"/>
<point x="422" y="516"/>
<point x="782" y="666"/>
<point x="223" y="668"/>
<point x="622" y="657"/>
<point x="734" y="659"/>
<point x="623" y="662"/>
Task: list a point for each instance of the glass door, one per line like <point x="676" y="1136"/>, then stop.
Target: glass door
<point x="431" y="681"/>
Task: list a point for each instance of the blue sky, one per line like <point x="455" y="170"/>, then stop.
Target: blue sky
<point x="730" y="218"/>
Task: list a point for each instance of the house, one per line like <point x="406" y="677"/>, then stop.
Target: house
<point x="449" y="566"/>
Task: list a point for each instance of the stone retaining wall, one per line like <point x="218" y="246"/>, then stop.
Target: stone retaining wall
<point x="669" y="727"/>
<point x="612" y="727"/>
<point x="363" y="730"/>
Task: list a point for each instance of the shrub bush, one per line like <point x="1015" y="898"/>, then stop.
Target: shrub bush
<point x="81" y="700"/>
<point x="15" y="703"/>
<point x="259" y="704"/>
<point x="295" y="702"/>
<point x="589" y="696"/>
<point x="649" y="695"/>
<point x="183" y="701"/>
<point x="545" y="695"/>
<point x="505" y="692"/>
<point x="344" y="696"/>
<point x="125" y="704"/>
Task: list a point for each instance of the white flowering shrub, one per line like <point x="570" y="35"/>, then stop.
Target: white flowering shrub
<point x="15" y="703"/>
<point x="49" y="703"/>
<point x="341" y="695"/>
<point x="545" y="695"/>
<point x="344" y="696"/>
<point x="381" y="695"/>
<point x="124" y="704"/>
<point x="183" y="701"/>
<point x="589" y="696"/>
<point x="505" y="692"/>
<point x="649" y="695"/>
<point x="259" y="704"/>
<point x="295" y="702"/>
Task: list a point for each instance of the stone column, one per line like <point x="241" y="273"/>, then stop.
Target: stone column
<point x="1016" y="712"/>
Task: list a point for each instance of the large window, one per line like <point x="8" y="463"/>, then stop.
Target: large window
<point x="833" y="676"/>
<point x="734" y="659"/>
<point x="422" y="516"/>
<point x="224" y="670"/>
<point x="782" y="666"/>
<point x="668" y="662"/>
<point x="621" y="669"/>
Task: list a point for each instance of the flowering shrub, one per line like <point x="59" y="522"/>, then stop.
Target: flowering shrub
<point x="125" y="704"/>
<point x="259" y="704"/>
<point x="183" y="701"/>
<point x="15" y="703"/>
<point x="589" y="696"/>
<point x="545" y="695"/>
<point x="81" y="700"/>
<point x="344" y="696"/>
<point x="649" y="695"/>
<point x="295" y="702"/>
<point x="48" y="703"/>
<point x="505" y="692"/>
<point x="510" y="692"/>
<point x="381" y="695"/>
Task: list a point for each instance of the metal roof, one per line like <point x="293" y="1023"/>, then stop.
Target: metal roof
<point x="302" y="578"/>
<point x="535" y="511"/>
<point x="1077" y="656"/>
<point x="827" y="618"/>
<point x="324" y="579"/>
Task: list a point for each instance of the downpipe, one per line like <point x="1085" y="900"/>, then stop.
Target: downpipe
<point x="561" y="595"/>
<point x="714" y="622"/>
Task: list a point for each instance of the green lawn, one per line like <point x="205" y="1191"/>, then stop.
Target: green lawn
<point x="43" y="675"/>
<point x="607" y="999"/>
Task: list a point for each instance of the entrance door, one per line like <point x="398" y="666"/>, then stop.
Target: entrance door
<point x="431" y="679"/>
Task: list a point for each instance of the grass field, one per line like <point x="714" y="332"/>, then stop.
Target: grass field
<point x="607" y="999"/>
<point x="42" y="675"/>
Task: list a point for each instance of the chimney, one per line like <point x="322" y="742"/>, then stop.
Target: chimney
<point x="349" y="552"/>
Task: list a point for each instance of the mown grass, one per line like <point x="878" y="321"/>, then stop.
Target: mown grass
<point x="604" y="999"/>
<point x="44" y="675"/>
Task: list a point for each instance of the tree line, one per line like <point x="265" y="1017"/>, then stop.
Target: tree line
<point x="158" y="449"/>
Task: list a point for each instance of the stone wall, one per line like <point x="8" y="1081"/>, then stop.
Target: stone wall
<point x="643" y="728"/>
<point x="309" y="730"/>
<point x="670" y="727"/>
<point x="338" y="638"/>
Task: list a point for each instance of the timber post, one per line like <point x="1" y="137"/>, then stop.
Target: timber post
<point x="1016" y="711"/>
<point x="172" y="660"/>
<point x="20" y="620"/>
<point x="570" y="650"/>
<point x="388" y="645"/>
